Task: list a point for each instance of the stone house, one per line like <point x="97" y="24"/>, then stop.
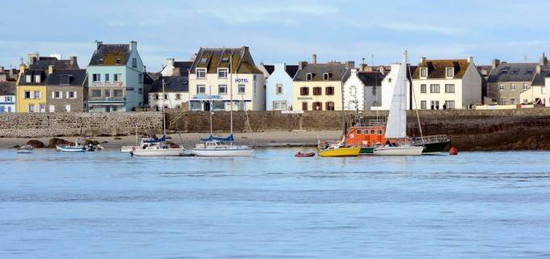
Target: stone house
<point x="225" y="78"/>
<point x="67" y="90"/>
<point x="318" y="86"/>
<point x="278" y="86"/>
<point x="446" y="84"/>
<point x="115" y="78"/>
<point x="32" y="81"/>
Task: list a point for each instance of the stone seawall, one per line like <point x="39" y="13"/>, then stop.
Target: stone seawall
<point x="32" y="125"/>
<point x="525" y="129"/>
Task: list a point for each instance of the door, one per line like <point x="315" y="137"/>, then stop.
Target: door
<point x="52" y="108"/>
<point x="206" y="106"/>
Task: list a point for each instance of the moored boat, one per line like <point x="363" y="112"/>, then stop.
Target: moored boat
<point x="221" y="147"/>
<point x="398" y="150"/>
<point x="157" y="150"/>
<point x="340" y="152"/>
<point x="308" y="154"/>
<point x="25" y="149"/>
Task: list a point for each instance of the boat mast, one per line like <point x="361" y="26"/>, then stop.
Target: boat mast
<point x="231" y="93"/>
<point x="163" y="111"/>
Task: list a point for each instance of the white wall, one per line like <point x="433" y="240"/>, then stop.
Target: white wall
<point x="388" y="85"/>
<point x="354" y="93"/>
<point x="172" y="102"/>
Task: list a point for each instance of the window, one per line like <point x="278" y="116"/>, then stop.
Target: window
<point x="165" y="96"/>
<point x="423" y="105"/>
<point x="57" y="95"/>
<point x="28" y="79"/>
<point x="9" y="99"/>
<point x="117" y="77"/>
<point x="502" y="101"/>
<point x="423" y="72"/>
<point x="329" y="90"/>
<point x="42" y="107"/>
<point x="30" y="108"/>
<point x="140" y="79"/>
<point x="222" y="89"/>
<point x="37" y="78"/>
<point x="222" y="73"/>
<point x="27" y="94"/>
<point x="524" y="86"/>
<point x="140" y="90"/>
<point x="134" y="62"/>
<point x="130" y="89"/>
<point x="279" y="89"/>
<point x="280" y="105"/>
<point x="512" y="101"/>
<point x="317" y="91"/>
<point x="107" y="93"/>
<point x="201" y="73"/>
<point x="118" y="61"/>
<point x="67" y="108"/>
<point x="304" y="91"/>
<point x="435" y="105"/>
<point x="501" y="87"/>
<point x="329" y="106"/>
<point x="242" y="89"/>
<point x="96" y="93"/>
<point x="449" y="88"/>
<point x="71" y="95"/>
<point x="449" y="105"/>
<point x="309" y="76"/>
<point x="434" y="88"/>
<point x="117" y="93"/>
<point x="52" y="108"/>
<point x="36" y="94"/>
<point x="178" y="96"/>
<point x="96" y="77"/>
<point x="304" y="106"/>
<point x="423" y="88"/>
<point x="317" y="106"/>
<point x="201" y="89"/>
<point x="326" y="76"/>
<point x="450" y="72"/>
<point x="512" y="87"/>
<point x="107" y="78"/>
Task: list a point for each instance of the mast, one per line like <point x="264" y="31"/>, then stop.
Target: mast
<point x="163" y="111"/>
<point x="231" y="93"/>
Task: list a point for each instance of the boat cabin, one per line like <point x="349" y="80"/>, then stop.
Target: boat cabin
<point x="366" y="136"/>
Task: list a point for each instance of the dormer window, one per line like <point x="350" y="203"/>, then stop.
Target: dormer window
<point x="423" y="72"/>
<point x="28" y="79"/>
<point x="100" y="60"/>
<point x="309" y="76"/>
<point x="222" y="73"/>
<point x="118" y="61"/>
<point x="326" y="76"/>
<point x="134" y="62"/>
<point x="37" y="78"/>
<point x="201" y="72"/>
<point x="203" y="60"/>
<point x="450" y="72"/>
<point x="225" y="59"/>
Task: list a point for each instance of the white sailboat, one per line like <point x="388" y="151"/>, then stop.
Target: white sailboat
<point x="396" y="128"/>
<point x="158" y="147"/>
<point x="223" y="146"/>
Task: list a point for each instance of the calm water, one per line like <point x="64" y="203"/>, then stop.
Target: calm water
<point x="106" y="204"/>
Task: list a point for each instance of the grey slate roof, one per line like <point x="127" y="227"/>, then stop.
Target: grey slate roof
<point x="67" y="77"/>
<point x="290" y="69"/>
<point x="214" y="58"/>
<point x="539" y="79"/>
<point x="7" y="88"/>
<point x="184" y="66"/>
<point x="371" y="78"/>
<point x="171" y="84"/>
<point x="44" y="62"/>
<point x="109" y="54"/>
<point x="337" y="72"/>
<point x="513" y="72"/>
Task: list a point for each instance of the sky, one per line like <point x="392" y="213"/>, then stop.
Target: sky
<point x="280" y="31"/>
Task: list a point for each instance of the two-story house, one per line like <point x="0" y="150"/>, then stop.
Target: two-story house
<point x="32" y="82"/>
<point x="224" y="79"/>
<point x="318" y="86"/>
<point x="67" y="90"/>
<point x="446" y="84"/>
<point x="171" y="88"/>
<point x="362" y="90"/>
<point x="279" y="91"/>
<point x="8" y="80"/>
<point x="115" y="78"/>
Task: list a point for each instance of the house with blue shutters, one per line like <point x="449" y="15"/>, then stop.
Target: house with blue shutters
<point x="115" y="78"/>
<point x="279" y="91"/>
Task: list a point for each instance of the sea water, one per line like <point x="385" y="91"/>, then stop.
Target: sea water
<point x="109" y="205"/>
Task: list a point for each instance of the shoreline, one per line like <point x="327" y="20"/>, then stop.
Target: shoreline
<point x="256" y="139"/>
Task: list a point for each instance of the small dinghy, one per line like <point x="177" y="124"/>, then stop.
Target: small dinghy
<point x="26" y="149"/>
<point x="309" y="154"/>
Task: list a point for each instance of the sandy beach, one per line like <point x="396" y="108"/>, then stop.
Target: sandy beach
<point x="258" y="139"/>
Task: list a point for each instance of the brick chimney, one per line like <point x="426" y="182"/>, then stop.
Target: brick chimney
<point x="98" y="44"/>
<point x="302" y="64"/>
<point x="422" y="59"/>
<point x="470" y="59"/>
<point x="350" y="64"/>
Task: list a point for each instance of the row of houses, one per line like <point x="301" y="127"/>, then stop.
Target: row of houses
<point x="221" y="79"/>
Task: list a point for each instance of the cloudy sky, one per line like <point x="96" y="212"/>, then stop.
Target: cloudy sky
<point x="280" y="30"/>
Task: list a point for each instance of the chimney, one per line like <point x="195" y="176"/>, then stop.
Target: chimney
<point x="170" y="62"/>
<point x="73" y="61"/>
<point x="50" y="69"/>
<point x="470" y="59"/>
<point x="422" y="60"/>
<point x="98" y="43"/>
<point x="177" y="71"/>
<point x="369" y="69"/>
<point x="354" y="71"/>
<point x="382" y="70"/>
<point x="22" y="68"/>
<point x="33" y="57"/>
<point x="1" y="69"/>
<point x="350" y="64"/>
<point x="314" y="59"/>
<point x="302" y="65"/>
<point x="539" y="68"/>
<point x="133" y="45"/>
<point x="543" y="60"/>
<point x="496" y="63"/>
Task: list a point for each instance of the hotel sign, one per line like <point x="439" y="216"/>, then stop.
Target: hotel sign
<point x="241" y="80"/>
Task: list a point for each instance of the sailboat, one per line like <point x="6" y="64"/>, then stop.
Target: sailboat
<point x="213" y="146"/>
<point x="157" y="147"/>
<point x="397" y="142"/>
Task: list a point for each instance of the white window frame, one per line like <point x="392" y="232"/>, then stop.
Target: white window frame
<point x="28" y="79"/>
<point x="434" y="87"/>
<point x="37" y="78"/>
<point x="279" y="87"/>
<point x="199" y="87"/>
<point x="447" y="88"/>
<point x="201" y="73"/>
<point x="424" y="72"/>
<point x="222" y="86"/>
<point x="243" y="87"/>
<point x="423" y="88"/>
<point x="309" y="76"/>
<point x="450" y="72"/>
<point x="223" y="70"/>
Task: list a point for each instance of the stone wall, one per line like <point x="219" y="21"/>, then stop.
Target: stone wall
<point x="78" y="124"/>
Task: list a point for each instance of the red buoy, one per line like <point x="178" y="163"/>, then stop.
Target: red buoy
<point x="453" y="151"/>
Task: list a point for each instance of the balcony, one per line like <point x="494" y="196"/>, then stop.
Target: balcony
<point x="107" y="84"/>
<point x="106" y="99"/>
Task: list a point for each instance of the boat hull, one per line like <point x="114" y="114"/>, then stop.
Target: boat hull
<point x="70" y="149"/>
<point x="437" y="147"/>
<point x="340" y="152"/>
<point x="366" y="151"/>
<point x="223" y="152"/>
<point x="158" y="152"/>
<point x="399" y="151"/>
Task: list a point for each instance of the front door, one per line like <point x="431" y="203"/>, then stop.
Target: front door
<point x="207" y="106"/>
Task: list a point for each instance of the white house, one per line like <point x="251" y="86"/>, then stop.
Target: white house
<point x="175" y="94"/>
<point x="362" y="90"/>
<point x="388" y="85"/>
<point x="279" y="91"/>
<point x="446" y="84"/>
<point x="7" y="97"/>
<point x="225" y="78"/>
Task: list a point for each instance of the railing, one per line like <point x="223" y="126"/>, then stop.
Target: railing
<point x="430" y="139"/>
<point x="376" y="123"/>
<point x="107" y="84"/>
<point x="107" y="99"/>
